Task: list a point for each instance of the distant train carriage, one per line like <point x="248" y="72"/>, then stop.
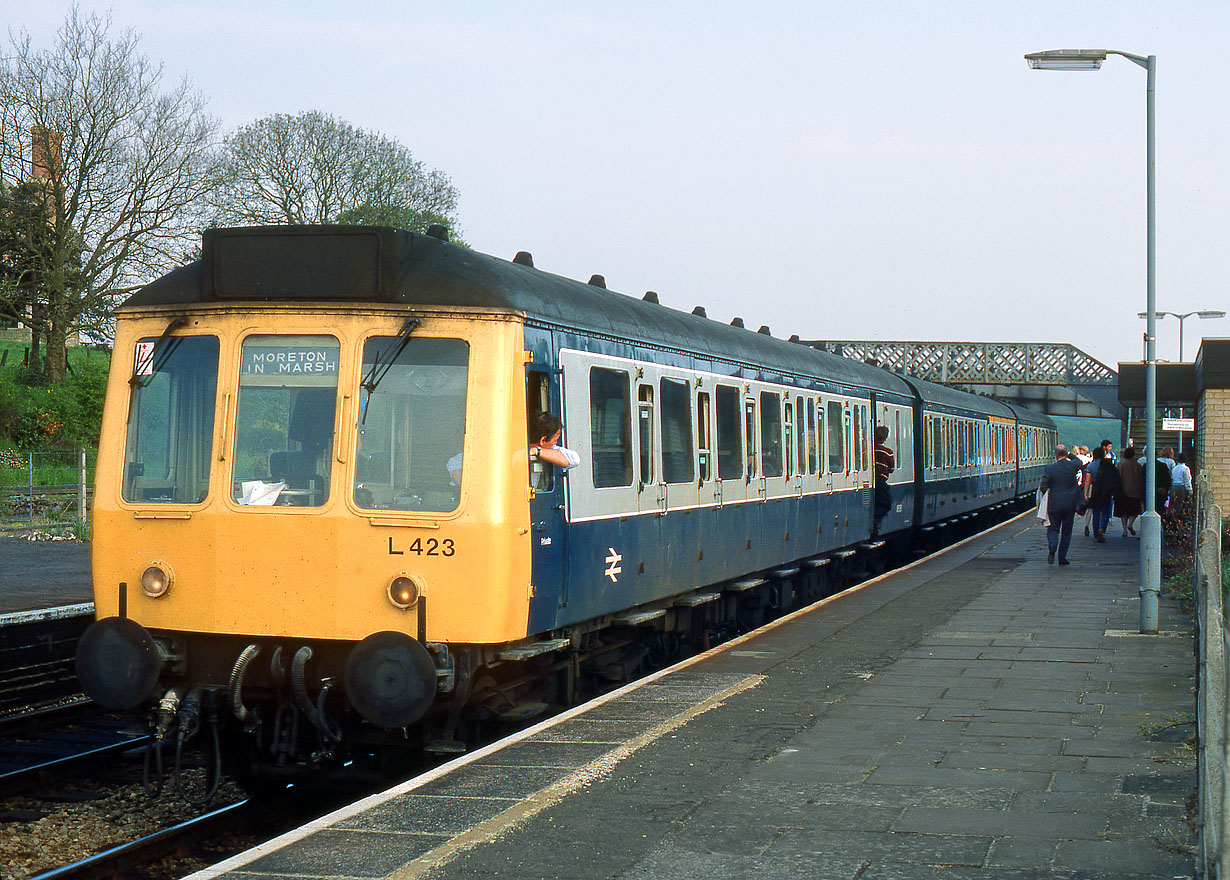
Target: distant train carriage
<point x="316" y="510"/>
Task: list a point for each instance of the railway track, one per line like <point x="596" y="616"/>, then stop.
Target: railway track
<point x="130" y="860"/>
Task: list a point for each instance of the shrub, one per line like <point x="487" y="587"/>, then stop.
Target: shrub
<point x="64" y="416"/>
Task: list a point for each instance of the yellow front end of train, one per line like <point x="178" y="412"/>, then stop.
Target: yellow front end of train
<point x="310" y="473"/>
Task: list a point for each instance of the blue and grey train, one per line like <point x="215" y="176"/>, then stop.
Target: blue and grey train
<point x="316" y="504"/>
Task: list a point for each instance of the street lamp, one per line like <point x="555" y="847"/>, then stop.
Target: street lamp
<point x="1151" y="522"/>
<point x="1201" y="313"/>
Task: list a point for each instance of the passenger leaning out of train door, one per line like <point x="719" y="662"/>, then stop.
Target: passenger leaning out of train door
<point x="546" y="437"/>
<point x="886" y="463"/>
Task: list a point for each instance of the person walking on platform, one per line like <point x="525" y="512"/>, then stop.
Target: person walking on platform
<point x="1106" y="485"/>
<point x="1082" y="511"/>
<point x="1163" y="481"/>
<point x="1062" y="481"/>
<point x="1129" y="504"/>
<point x="885" y="463"/>
<point x="1181" y="485"/>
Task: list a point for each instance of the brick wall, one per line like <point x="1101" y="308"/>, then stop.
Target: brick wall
<point x="1213" y="445"/>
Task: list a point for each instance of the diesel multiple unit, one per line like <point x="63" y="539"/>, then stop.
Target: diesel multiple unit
<point x="319" y="526"/>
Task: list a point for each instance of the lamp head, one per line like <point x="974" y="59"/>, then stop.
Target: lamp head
<point x="1211" y="313"/>
<point x="1066" y="59"/>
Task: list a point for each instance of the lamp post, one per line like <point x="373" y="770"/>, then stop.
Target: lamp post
<point x="1151" y="522"/>
<point x="1200" y="313"/>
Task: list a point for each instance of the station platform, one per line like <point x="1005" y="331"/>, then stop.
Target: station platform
<point x="37" y="575"/>
<point x="978" y="714"/>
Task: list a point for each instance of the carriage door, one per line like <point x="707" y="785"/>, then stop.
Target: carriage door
<point x="547" y="532"/>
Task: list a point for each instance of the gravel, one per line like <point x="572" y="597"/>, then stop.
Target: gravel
<point x="114" y="815"/>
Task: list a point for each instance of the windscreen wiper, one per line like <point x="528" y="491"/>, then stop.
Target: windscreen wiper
<point x="157" y="356"/>
<point x="379" y="370"/>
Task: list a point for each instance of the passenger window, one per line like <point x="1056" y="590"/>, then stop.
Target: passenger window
<point x="644" y="409"/>
<point x="704" y="445"/>
<point x="814" y="433"/>
<point x="729" y="434"/>
<point x="789" y="426"/>
<point x="676" y="403"/>
<point x="858" y="438"/>
<point x="771" y="433"/>
<point x="837" y="459"/>
<point x="610" y="422"/>
<point x="806" y="427"/>
<point x="749" y="427"/>
<point x="538" y="400"/>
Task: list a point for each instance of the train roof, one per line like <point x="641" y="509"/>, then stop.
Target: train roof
<point x="937" y="395"/>
<point x="377" y="264"/>
<point x="363" y="264"/>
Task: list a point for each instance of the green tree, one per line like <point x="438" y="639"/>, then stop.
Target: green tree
<point x="120" y="163"/>
<point x="397" y="217"/>
<point x="26" y="248"/>
<point x="313" y="168"/>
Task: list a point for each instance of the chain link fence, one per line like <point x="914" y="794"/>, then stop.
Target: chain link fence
<point x="46" y="494"/>
<point x="1213" y="706"/>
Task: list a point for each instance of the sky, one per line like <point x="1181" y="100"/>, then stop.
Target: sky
<point x="862" y="169"/>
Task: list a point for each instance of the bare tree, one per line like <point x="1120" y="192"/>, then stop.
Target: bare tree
<point x="316" y="169"/>
<point x="121" y="166"/>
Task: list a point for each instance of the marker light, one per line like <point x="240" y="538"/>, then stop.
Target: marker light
<point x="155" y="580"/>
<point x="404" y="592"/>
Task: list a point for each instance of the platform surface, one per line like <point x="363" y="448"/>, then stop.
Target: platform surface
<point x="980" y="714"/>
<point x="43" y="574"/>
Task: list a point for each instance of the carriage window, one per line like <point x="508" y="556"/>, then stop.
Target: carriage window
<point x="171" y="420"/>
<point x="729" y="434"/>
<point x="538" y="400"/>
<point x="771" y="432"/>
<point x="789" y="426"/>
<point x="676" y="432"/>
<point x="644" y="421"/>
<point x="749" y="427"/>
<point x="860" y="438"/>
<point x="610" y="426"/>
<point x="837" y="459"/>
<point x="412" y="425"/>
<point x="806" y="426"/>
<point x="815" y="446"/>
<point x="284" y="421"/>
<point x="704" y="445"/>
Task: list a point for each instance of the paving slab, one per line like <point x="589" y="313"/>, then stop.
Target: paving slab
<point x="980" y="714"/>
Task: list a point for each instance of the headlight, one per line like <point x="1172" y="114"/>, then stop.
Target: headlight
<point x="404" y="592"/>
<point x="156" y="580"/>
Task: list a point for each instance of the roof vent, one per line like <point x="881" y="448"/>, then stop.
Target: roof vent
<point x="764" y="328"/>
<point x="699" y="311"/>
<point x="438" y="230"/>
<point x="650" y="296"/>
<point x="597" y="281"/>
<point x="524" y="258"/>
<point x="795" y="338"/>
<point x="736" y="322"/>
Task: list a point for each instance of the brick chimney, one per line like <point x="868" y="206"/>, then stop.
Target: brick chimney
<point x="44" y="152"/>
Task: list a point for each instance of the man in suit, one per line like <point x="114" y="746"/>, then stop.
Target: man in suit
<point x="1062" y="480"/>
